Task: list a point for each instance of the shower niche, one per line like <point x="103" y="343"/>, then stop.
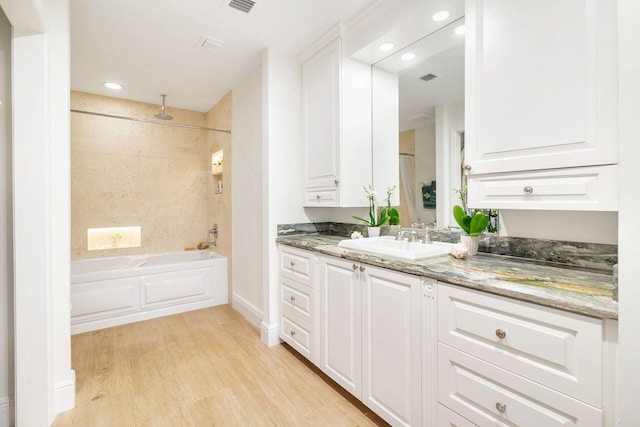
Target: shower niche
<point x="217" y="170"/>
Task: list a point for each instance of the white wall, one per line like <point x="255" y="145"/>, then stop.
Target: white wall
<point x="282" y="170"/>
<point x="449" y="121"/>
<point x="59" y="201"/>
<point x="593" y="227"/>
<point x="45" y="383"/>
<point x="247" y="200"/>
<point x="6" y="225"/>
<point x="628" y="385"/>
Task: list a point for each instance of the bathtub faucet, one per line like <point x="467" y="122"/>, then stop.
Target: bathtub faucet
<point x="213" y="242"/>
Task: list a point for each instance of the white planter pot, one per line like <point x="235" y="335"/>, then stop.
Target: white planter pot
<point x="373" y="231"/>
<point x="471" y="243"/>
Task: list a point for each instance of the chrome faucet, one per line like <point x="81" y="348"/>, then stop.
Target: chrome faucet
<point x="212" y="232"/>
<point x="414" y="235"/>
<point x="408" y="235"/>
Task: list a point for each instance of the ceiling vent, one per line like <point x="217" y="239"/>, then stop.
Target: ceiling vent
<point x="211" y="43"/>
<point x="428" y="77"/>
<point x="242" y="5"/>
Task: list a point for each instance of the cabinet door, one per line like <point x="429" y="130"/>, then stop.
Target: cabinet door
<point x="321" y="117"/>
<point x="341" y="324"/>
<point x="391" y="345"/>
<point x="541" y="87"/>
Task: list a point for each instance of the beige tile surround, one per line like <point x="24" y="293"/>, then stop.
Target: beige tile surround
<point x="127" y="173"/>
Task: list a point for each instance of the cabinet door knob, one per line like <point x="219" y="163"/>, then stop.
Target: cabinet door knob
<point x="355" y="267"/>
<point x="361" y="269"/>
<point x="500" y="333"/>
<point x="293" y="264"/>
<point x="528" y="189"/>
<point x="293" y="333"/>
<point x="293" y="298"/>
<point x="337" y="181"/>
<point x="467" y="168"/>
<point x="318" y="197"/>
<point x="501" y="406"/>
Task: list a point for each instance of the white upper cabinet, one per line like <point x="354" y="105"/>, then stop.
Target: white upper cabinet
<point x="336" y="100"/>
<point x="541" y="84"/>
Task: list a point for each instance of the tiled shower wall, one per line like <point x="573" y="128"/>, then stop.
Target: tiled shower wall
<point x="127" y="173"/>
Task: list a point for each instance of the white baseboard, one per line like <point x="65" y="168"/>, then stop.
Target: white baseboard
<point x="252" y="313"/>
<point x="65" y="393"/>
<point x="7" y="413"/>
<point x="269" y="334"/>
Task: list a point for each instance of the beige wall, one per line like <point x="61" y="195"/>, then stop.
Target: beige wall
<point x="219" y="205"/>
<point x="127" y="173"/>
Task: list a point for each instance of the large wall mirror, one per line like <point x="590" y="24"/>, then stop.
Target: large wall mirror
<point x="423" y="85"/>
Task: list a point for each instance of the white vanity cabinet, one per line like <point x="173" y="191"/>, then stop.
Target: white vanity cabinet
<point x="541" y="104"/>
<point x="506" y="362"/>
<point x="336" y="108"/>
<point x="298" y="300"/>
<point x="370" y="341"/>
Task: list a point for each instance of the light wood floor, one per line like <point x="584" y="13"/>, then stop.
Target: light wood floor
<point x="203" y="368"/>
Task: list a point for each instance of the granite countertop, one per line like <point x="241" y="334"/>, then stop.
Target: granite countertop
<point x="588" y="292"/>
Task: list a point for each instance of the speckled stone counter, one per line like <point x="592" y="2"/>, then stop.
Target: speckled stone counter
<point x="570" y="289"/>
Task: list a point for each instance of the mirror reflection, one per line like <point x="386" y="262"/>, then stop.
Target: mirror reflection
<point x="430" y="91"/>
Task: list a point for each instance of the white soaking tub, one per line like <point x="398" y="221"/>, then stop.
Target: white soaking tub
<point x="113" y="291"/>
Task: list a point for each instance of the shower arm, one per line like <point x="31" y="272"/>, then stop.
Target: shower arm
<point x="134" y="119"/>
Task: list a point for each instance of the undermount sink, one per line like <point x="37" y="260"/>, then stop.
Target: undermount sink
<point x="388" y="245"/>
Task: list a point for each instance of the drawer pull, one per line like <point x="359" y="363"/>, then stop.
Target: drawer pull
<point x="336" y="182"/>
<point x="528" y="189"/>
<point x="501" y="407"/>
<point x="361" y="269"/>
<point x="293" y="333"/>
<point x="355" y="267"/>
<point x="500" y="333"/>
<point x="318" y="197"/>
<point x="292" y="298"/>
<point x="293" y="264"/>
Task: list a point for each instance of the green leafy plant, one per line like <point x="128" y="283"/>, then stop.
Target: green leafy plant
<point x="375" y="219"/>
<point x="473" y="226"/>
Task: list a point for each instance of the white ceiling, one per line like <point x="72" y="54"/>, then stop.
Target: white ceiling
<point x="151" y="46"/>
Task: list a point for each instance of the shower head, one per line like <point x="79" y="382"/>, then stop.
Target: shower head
<point x="163" y="115"/>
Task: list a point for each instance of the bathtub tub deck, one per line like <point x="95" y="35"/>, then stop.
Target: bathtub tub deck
<point x="113" y="291"/>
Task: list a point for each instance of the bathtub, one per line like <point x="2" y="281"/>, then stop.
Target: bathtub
<point x="113" y="291"/>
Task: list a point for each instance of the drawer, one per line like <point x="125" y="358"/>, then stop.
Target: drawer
<point x="298" y="335"/>
<point x="448" y="418"/>
<point x="488" y="396"/>
<point x="592" y="188"/>
<point x="297" y="300"/>
<point x="298" y="264"/>
<point x="324" y="197"/>
<point x="558" y="349"/>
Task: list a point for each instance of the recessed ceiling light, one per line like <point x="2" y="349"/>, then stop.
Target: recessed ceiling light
<point x="440" y="16"/>
<point x="385" y="47"/>
<point x="460" y="29"/>
<point x="112" y="85"/>
<point x="408" y="56"/>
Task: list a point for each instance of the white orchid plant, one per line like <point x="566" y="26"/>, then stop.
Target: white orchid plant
<point x="388" y="214"/>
